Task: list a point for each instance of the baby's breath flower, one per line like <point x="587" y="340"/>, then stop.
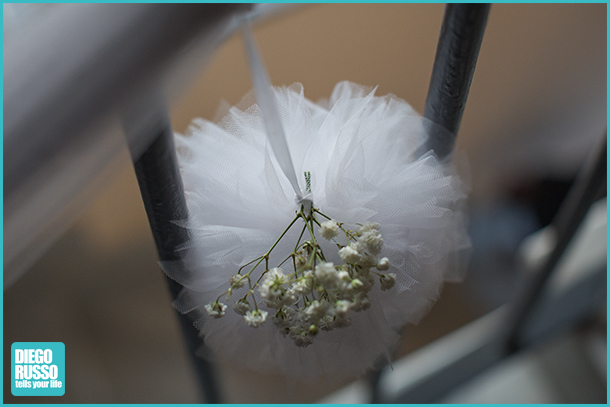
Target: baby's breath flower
<point x="302" y="284"/>
<point x="371" y="241"/>
<point x="275" y="276"/>
<point x="387" y="281"/>
<point x="283" y="318"/>
<point x="270" y="296"/>
<point x="286" y="313"/>
<point x="316" y="310"/>
<point x="341" y="307"/>
<point x="289" y="311"/>
<point x="300" y="262"/>
<point x="368" y="226"/>
<point x="326" y="274"/>
<point x="241" y="307"/>
<point x="255" y="318"/>
<point x="356" y="284"/>
<point x="289" y="297"/>
<point x="343" y="281"/>
<point x="383" y="264"/>
<point x="272" y="288"/>
<point x="216" y="309"/>
<point x="341" y="321"/>
<point x="238" y="281"/>
<point x="349" y="254"/>
<point x="313" y="299"/>
<point x="366" y="260"/>
<point x="368" y="282"/>
<point x="329" y="229"/>
<point x="344" y="276"/>
<point x="325" y="323"/>
<point x="361" y="302"/>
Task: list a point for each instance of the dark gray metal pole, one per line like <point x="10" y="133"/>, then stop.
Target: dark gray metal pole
<point x="162" y="192"/>
<point x="458" y="47"/>
<point x="586" y="190"/>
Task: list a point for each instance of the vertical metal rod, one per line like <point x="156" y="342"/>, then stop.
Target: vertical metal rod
<point x="163" y="196"/>
<point x="457" y="51"/>
<point x="374" y="378"/>
<point x="456" y="56"/>
<point x="586" y="189"/>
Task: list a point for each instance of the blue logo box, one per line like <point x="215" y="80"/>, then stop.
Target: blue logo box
<point x="38" y="369"/>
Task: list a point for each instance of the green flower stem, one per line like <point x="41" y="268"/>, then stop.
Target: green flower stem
<point x="286" y="259"/>
<point x="282" y="235"/>
<point x="260" y="278"/>
<point x="348" y="235"/>
<point x="266" y="255"/>
<point x="310" y="228"/>
<point x="260" y="259"/>
<point x="250" y="262"/>
<point x="316" y="254"/>
<point x="347" y="232"/>
<point x="331" y="297"/>
<point x="300" y="237"/>
<point x="312" y="259"/>
<point x="251" y="293"/>
<point x="313" y="294"/>
<point x="318" y="211"/>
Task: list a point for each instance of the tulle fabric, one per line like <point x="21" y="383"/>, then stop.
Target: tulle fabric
<point x="361" y="151"/>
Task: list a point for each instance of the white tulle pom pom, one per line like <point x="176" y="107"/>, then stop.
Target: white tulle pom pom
<point x="361" y="152"/>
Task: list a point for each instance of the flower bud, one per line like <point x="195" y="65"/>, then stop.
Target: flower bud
<point x="383" y="264"/>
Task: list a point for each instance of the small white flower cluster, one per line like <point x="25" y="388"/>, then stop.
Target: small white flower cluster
<point x="216" y="309"/>
<point x="316" y="295"/>
<point x="329" y="229"/>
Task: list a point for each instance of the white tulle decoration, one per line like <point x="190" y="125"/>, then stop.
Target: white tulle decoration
<point x="364" y="156"/>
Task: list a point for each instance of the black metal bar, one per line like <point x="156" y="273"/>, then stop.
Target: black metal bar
<point x="585" y="191"/>
<point x="458" y="47"/>
<point x="374" y="379"/>
<point x="163" y="196"/>
<point x="457" y="51"/>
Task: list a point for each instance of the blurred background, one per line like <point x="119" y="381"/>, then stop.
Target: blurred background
<point x="536" y="109"/>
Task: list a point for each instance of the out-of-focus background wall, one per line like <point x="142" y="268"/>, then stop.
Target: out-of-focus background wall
<point x="537" y="106"/>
